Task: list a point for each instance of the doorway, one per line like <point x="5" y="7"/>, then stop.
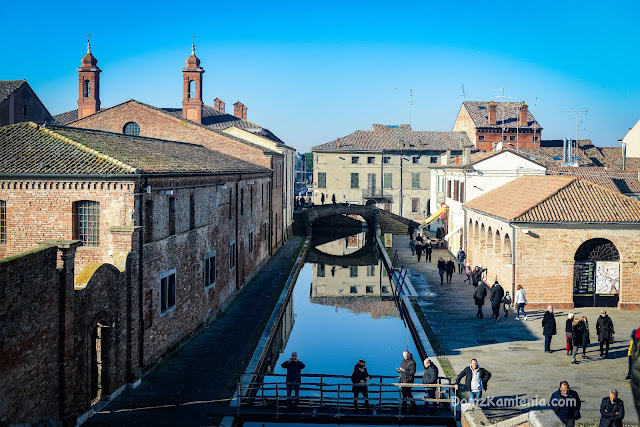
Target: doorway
<point x="596" y="274"/>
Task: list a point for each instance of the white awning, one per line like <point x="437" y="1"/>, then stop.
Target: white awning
<point x="451" y="233"/>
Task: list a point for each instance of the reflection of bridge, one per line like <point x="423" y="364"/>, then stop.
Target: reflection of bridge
<point x="369" y="213"/>
<point x="329" y="399"/>
<point x="366" y="255"/>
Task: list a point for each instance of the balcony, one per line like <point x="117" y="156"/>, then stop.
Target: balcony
<point x="374" y="193"/>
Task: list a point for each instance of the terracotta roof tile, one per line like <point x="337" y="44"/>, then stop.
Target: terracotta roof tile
<point x="479" y="112"/>
<point x="625" y="182"/>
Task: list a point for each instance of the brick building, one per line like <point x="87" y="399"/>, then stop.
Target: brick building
<point x="567" y="241"/>
<point x="169" y="232"/>
<point x="490" y="123"/>
<point x="198" y="123"/>
<point x="19" y="103"/>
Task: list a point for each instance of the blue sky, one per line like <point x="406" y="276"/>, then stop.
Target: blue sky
<point x="314" y="71"/>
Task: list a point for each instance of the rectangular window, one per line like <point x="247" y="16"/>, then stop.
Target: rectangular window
<point x="353" y="290"/>
<point x="433" y="160"/>
<point x="504" y="137"/>
<point x="3" y="222"/>
<point x="461" y="192"/>
<point x="232" y="255"/>
<point x="353" y="271"/>
<point x="369" y="289"/>
<point x="385" y="289"/>
<point x="371" y="181"/>
<point x="148" y="221"/>
<point x="355" y="160"/>
<point x="388" y="180"/>
<point x="371" y="270"/>
<point x="250" y="241"/>
<point x="355" y="180"/>
<point x="210" y="269"/>
<point x="321" y="270"/>
<point x="264" y="231"/>
<point x="192" y="212"/>
<point x="415" y="180"/>
<point x="386" y="160"/>
<point x="322" y="180"/>
<point x="455" y="190"/>
<point x="167" y="291"/>
<point x="512" y="138"/>
<point x="172" y="216"/>
<point x="416" y="160"/>
<point x="415" y="205"/>
<point x="87" y="222"/>
<point x="371" y="160"/>
<point x="449" y="188"/>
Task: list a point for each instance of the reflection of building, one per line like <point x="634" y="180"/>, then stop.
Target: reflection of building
<point x="343" y="246"/>
<point x="561" y="238"/>
<point x="280" y="337"/>
<point x="354" y="280"/>
<point x="387" y="166"/>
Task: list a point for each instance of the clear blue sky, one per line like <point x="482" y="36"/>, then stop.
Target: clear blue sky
<point x="314" y="71"/>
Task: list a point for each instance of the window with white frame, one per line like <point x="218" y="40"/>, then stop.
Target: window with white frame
<point x="210" y="269"/>
<point x="167" y="291"/>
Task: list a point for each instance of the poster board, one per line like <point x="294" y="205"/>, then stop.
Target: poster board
<point x="388" y="240"/>
<point x="607" y="277"/>
<point x="584" y="278"/>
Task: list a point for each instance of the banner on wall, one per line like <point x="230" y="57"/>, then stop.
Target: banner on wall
<point x="607" y="277"/>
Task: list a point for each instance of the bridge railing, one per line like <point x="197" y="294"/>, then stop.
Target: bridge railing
<point x="318" y="391"/>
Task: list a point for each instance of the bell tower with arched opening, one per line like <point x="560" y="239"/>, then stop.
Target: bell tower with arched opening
<point x="192" y="88"/>
<point x="88" y="85"/>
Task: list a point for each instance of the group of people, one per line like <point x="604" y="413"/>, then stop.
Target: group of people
<point x="299" y="202"/>
<point x="566" y="404"/>
<point x="421" y="245"/>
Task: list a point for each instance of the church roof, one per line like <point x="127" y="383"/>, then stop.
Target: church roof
<point x="67" y="117"/>
<point x="7" y="87"/>
<point x="29" y="149"/>
<point x="556" y="199"/>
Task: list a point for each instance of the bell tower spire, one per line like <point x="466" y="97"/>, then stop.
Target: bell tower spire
<point x="88" y="84"/>
<point x="192" y="86"/>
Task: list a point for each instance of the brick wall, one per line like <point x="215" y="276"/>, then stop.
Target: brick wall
<point x="544" y="258"/>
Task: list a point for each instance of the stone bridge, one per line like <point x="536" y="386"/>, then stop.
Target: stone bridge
<point x="369" y="213"/>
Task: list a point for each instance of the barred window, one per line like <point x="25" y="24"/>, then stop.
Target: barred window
<point x="3" y="222"/>
<point x="167" y="291"/>
<point x="131" y="128"/>
<point x="87" y="222"/>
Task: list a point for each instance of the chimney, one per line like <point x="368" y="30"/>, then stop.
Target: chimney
<point x="624" y="155"/>
<point x="445" y="158"/>
<point x="524" y="114"/>
<point x="239" y="110"/>
<point x="466" y="156"/>
<point x="492" y="113"/>
<point x="218" y="104"/>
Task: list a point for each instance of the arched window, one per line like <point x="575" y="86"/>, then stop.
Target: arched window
<point x="506" y="249"/>
<point x="489" y="239"/>
<point x="482" y="236"/>
<point x="597" y="250"/>
<point x="191" y="90"/>
<point x="86" y="88"/>
<point x="131" y="128"/>
<point x="497" y="247"/>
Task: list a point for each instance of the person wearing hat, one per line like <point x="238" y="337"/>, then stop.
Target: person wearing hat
<point x="605" y="331"/>
<point x="611" y="410"/>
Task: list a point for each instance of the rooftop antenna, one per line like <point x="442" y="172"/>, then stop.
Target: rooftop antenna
<point x="501" y="90"/>
<point x="410" y="105"/>
<point x="577" y="113"/>
<point x="464" y="94"/>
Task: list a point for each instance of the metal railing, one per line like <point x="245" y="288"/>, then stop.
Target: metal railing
<point x="335" y="393"/>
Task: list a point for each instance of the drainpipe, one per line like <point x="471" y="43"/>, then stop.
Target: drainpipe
<point x="513" y="260"/>
<point x="140" y="272"/>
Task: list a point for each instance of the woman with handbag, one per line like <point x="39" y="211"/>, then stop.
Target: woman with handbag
<point x="520" y="301"/>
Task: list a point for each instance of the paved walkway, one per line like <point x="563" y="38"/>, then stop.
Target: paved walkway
<point x="180" y="389"/>
<point x="513" y="350"/>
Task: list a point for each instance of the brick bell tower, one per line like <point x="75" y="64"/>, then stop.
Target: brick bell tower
<point x="192" y="87"/>
<point x="88" y="84"/>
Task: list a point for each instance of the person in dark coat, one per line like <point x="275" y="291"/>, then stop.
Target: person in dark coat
<point x="410" y="230"/>
<point x="427" y="251"/>
<point x="442" y="268"/>
<point x="586" y="340"/>
<point x="407" y="372"/>
<point x="611" y="410"/>
<point x="577" y="333"/>
<point x="430" y="376"/>
<point x="450" y="268"/>
<point x="333" y="199"/>
<point x="322" y="199"/>
<point x="476" y="380"/>
<point x="419" y="249"/>
<point x="566" y="404"/>
<point x="294" y="378"/>
<point x="568" y="331"/>
<point x="496" y="296"/>
<point x="359" y="380"/>
<point x="479" y="294"/>
<point x="605" y="331"/>
<point x="548" y="327"/>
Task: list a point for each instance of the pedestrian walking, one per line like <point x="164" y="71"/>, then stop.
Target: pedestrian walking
<point x="419" y="237"/>
<point x="412" y="246"/>
<point x="476" y="380"/>
<point x="586" y="340"/>
<point x="322" y="199"/>
<point x="442" y="268"/>
<point x="630" y="354"/>
<point x="410" y="230"/>
<point x="568" y="332"/>
<point x="479" y="294"/>
<point x="577" y="332"/>
<point x="333" y="199"/>
<point x="450" y="268"/>
<point x="496" y="296"/>
<point x="428" y="248"/>
<point x="548" y="327"/>
<point x="520" y="301"/>
<point x="430" y="376"/>
<point x="605" y="331"/>
<point x="419" y="249"/>
<point x="566" y="404"/>
<point x="407" y="372"/>
<point x="468" y="271"/>
<point x="359" y="380"/>
<point x="611" y="410"/>
<point x="294" y="378"/>
<point x="461" y="257"/>
<point x="506" y="303"/>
